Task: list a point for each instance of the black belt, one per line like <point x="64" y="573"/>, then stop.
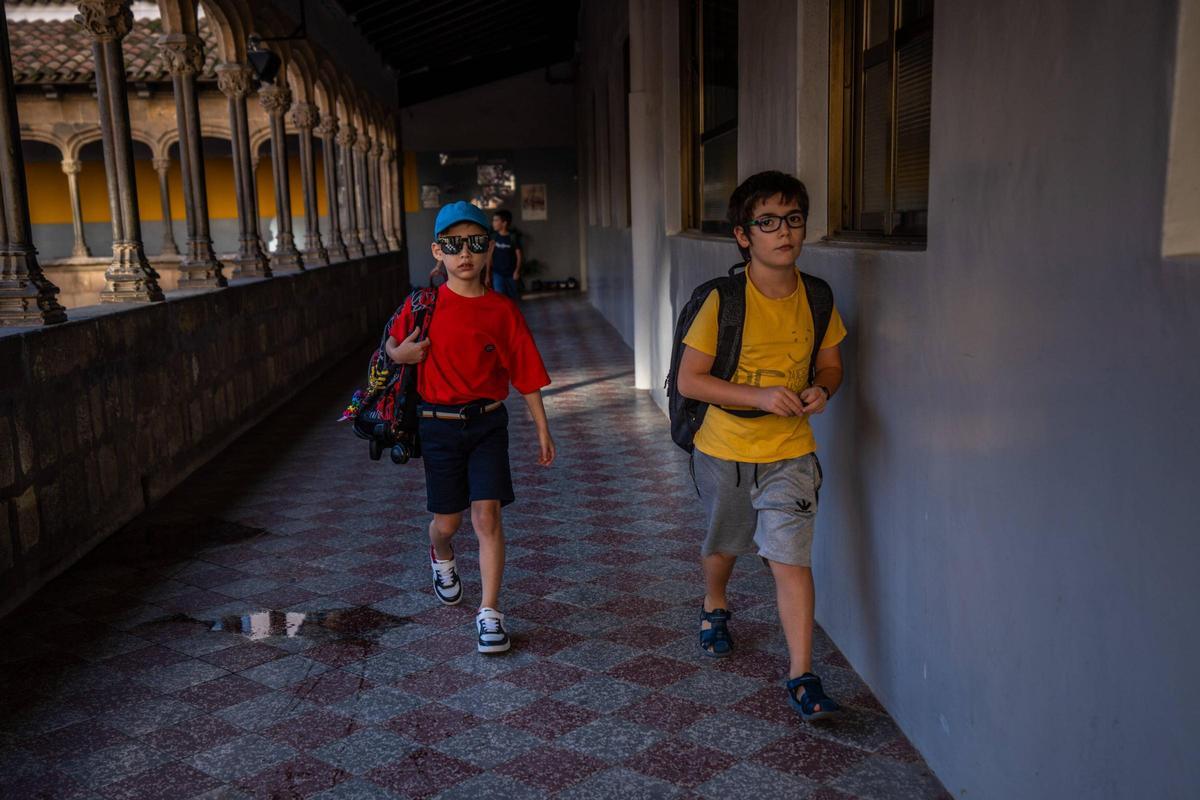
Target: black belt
<point x="469" y="411"/>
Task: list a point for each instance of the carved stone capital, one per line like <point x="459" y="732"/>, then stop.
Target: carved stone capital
<point x="71" y="167"/>
<point x="376" y="150"/>
<point x="161" y="165"/>
<point x="183" y="53"/>
<point x="347" y="137"/>
<point x="328" y="127"/>
<point x="105" y="20"/>
<point x="305" y="116"/>
<point x="275" y="99"/>
<point x="234" y="80"/>
<point x="363" y="145"/>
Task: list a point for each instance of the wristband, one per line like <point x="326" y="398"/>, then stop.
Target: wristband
<point x="824" y="389"/>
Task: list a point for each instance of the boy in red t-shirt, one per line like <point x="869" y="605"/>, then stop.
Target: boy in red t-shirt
<point x="476" y="344"/>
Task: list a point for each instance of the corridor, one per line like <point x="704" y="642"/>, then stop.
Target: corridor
<point x="269" y="630"/>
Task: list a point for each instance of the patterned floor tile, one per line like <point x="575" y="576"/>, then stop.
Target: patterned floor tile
<point x="240" y="758"/>
<point x="621" y="784"/>
<point x="488" y="746"/>
<point x="112" y="764"/>
<point x="194" y="736"/>
<point x="551" y="769"/>
<point x="432" y="723"/>
<point x="312" y="730"/>
<point x="422" y="774"/>
<point x="300" y="777"/>
<point x="364" y="750"/>
<point x="604" y="694"/>
<point x="491" y="700"/>
<point x="378" y="705"/>
<point x="878" y="778"/>
<point x="811" y="757"/>
<point x="735" y="734"/>
<point x="752" y="780"/>
<point x="611" y="739"/>
<point x="168" y="782"/>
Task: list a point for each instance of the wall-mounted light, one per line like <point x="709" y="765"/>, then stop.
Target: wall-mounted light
<point x="263" y="62"/>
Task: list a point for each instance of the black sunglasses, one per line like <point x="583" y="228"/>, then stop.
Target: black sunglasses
<point x="452" y="245"/>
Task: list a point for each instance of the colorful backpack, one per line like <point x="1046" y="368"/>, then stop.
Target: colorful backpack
<point x="385" y="412"/>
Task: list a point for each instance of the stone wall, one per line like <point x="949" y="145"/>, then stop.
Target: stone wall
<point x="103" y="415"/>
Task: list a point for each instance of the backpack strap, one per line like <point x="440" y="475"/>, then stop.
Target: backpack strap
<point x="820" y="303"/>
<point x="731" y="321"/>
<point x="423" y="301"/>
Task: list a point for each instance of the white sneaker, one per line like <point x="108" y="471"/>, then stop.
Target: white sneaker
<point x="446" y="584"/>
<point x="489" y="624"/>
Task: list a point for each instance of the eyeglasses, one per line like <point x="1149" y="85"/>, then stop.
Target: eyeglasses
<point x="769" y="223"/>
<point x="452" y="245"/>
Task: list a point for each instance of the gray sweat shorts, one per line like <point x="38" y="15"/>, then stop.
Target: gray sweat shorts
<point x="769" y="509"/>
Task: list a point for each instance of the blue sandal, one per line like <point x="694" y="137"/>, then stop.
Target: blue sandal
<point x="811" y="696"/>
<point x="716" y="641"/>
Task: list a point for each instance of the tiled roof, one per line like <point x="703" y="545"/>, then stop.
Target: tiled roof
<point x="59" y="51"/>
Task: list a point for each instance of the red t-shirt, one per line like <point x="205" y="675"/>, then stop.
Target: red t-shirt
<point x="477" y="345"/>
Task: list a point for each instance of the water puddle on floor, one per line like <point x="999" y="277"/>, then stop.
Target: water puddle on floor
<point x="336" y="624"/>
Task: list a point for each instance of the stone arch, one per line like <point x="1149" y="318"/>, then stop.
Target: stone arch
<point x="46" y="137"/>
<point x="80" y="139"/>
<point x="229" y="26"/>
<point x="258" y="137"/>
<point x="208" y="130"/>
<point x="178" y="16"/>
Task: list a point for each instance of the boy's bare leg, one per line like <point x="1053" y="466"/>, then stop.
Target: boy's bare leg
<point x="441" y="528"/>
<point x="485" y="518"/>
<point x="796" y="597"/>
<point x="717" y="569"/>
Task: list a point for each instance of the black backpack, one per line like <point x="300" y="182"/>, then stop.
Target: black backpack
<point x="385" y="412"/>
<point x="687" y="414"/>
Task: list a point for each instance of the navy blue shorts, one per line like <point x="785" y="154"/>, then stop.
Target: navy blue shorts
<point x="466" y="461"/>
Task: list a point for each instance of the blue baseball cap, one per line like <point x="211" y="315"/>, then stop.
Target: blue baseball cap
<point x="454" y="213"/>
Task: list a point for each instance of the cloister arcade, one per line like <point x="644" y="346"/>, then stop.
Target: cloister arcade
<point x="154" y="160"/>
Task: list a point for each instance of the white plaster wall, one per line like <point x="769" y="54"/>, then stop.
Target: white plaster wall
<point x="610" y="277"/>
<point x="1008" y="545"/>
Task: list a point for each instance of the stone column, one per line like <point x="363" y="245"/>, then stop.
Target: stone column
<point x="376" y="170"/>
<point x="163" y="167"/>
<point x="184" y="56"/>
<point x="327" y="130"/>
<point x="305" y="117"/>
<point x="387" y="190"/>
<point x="26" y="296"/>
<point x="398" y="199"/>
<point x="276" y="100"/>
<point x="72" y="169"/>
<point x="234" y="81"/>
<point x="129" y="276"/>
<point x="258" y="217"/>
<point x="362" y="185"/>
<point x="346" y="139"/>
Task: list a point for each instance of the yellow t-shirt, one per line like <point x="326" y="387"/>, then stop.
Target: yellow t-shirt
<point x="776" y="348"/>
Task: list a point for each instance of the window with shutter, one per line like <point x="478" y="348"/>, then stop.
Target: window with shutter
<point x="881" y="69"/>
<point x="709" y="54"/>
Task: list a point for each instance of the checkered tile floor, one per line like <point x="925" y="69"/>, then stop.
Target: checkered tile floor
<point x="175" y="661"/>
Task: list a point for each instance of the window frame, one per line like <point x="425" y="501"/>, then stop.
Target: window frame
<point x="848" y="61"/>
<point x="691" y="107"/>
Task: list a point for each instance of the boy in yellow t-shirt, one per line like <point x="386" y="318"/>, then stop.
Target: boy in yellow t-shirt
<point x="758" y="476"/>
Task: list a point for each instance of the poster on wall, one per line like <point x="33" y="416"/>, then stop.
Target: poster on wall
<point x="533" y="201"/>
<point x="431" y="196"/>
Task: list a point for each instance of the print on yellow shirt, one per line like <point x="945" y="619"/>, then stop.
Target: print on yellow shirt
<point x="776" y="348"/>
